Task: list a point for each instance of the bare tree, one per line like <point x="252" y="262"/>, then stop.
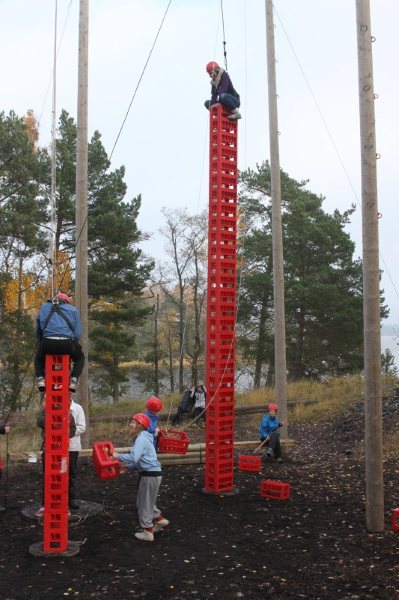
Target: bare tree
<point x="196" y="246"/>
<point x="176" y="233"/>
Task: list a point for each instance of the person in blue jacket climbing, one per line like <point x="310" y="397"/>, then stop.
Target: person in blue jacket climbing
<point x="58" y="330"/>
<point x="153" y="406"/>
<point x="143" y="458"/>
<point x="222" y="90"/>
<point x="269" y="432"/>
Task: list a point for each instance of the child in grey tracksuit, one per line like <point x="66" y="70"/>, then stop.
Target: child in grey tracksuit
<point x="143" y="458"/>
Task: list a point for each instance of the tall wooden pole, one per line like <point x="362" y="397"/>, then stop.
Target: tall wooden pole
<point x="371" y="273"/>
<point x="81" y="204"/>
<point x="53" y="249"/>
<point x="277" y="236"/>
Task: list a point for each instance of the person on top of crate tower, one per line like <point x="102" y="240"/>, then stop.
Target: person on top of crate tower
<point x="58" y="330"/>
<point x="143" y="458"/>
<point x="153" y="406"/>
<point x="269" y="432"/>
<point x="222" y="90"/>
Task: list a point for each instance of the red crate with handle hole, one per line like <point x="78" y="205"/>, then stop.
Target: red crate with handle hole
<point x="249" y="463"/>
<point x="172" y="441"/>
<point x="105" y="466"/>
<point x="395" y="520"/>
<point x="275" y="490"/>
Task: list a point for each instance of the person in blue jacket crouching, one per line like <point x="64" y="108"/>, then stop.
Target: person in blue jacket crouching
<point x="269" y="432"/>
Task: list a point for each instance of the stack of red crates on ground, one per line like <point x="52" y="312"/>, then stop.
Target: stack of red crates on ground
<point x="56" y="454"/>
<point x="221" y="302"/>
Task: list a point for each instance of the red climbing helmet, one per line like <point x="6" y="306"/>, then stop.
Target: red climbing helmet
<point x="64" y="297"/>
<point x="142" y="419"/>
<point x="272" y="406"/>
<point x="211" y="65"/>
<point x="154" y="403"/>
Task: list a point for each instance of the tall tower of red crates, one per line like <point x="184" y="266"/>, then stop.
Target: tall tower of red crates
<point x="56" y="454"/>
<point x="221" y="303"/>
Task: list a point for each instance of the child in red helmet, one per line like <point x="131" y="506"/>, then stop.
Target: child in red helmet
<point x="143" y="458"/>
<point x="269" y="432"/>
<point x="153" y="406"/>
<point x="222" y="90"/>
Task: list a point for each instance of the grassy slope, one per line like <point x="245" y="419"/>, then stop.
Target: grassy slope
<point x="334" y="398"/>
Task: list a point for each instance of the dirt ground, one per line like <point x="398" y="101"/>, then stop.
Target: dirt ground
<point x="314" y="545"/>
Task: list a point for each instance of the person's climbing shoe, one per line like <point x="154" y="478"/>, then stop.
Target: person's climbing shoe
<point x="234" y="115"/>
<point x="73" y="384"/>
<point x="41" y="383"/>
<point x="270" y="452"/>
<point x="279" y="460"/>
<point x="146" y="536"/>
<point x="40" y="512"/>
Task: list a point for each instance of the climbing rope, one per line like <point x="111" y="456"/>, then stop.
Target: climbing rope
<point x="224" y="36"/>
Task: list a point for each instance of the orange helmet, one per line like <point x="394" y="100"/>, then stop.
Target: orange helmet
<point x="272" y="406"/>
<point x="142" y="419"/>
<point x="64" y="297"/>
<point x="154" y="404"/>
<point x="211" y="65"/>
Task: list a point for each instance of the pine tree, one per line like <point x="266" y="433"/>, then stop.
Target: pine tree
<point x="323" y="282"/>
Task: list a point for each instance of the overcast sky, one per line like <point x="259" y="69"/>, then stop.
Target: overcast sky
<point x="164" y="142"/>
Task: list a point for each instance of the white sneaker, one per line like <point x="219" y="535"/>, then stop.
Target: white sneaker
<point x="234" y="115"/>
<point x="159" y="525"/>
<point x="40" y="512"/>
<point x="145" y="535"/>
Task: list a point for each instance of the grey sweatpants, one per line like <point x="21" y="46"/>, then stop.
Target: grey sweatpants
<point x="146" y="500"/>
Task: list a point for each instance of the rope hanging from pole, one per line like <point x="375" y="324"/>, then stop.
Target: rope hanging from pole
<point x="224" y="36"/>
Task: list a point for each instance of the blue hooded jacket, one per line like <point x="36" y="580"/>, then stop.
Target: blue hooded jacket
<point x="153" y="425"/>
<point x="142" y="456"/>
<point x="268" y="425"/>
<point x="57" y="326"/>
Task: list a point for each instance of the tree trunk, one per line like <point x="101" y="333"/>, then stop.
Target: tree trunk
<point x="181" y="338"/>
<point x="156" y="349"/>
<point x="299" y="363"/>
<point x="260" y="350"/>
<point x="171" y="373"/>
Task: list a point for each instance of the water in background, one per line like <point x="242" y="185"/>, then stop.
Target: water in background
<point x="244" y="378"/>
<point x="391" y="342"/>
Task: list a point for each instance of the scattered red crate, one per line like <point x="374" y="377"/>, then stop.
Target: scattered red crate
<point x="172" y="441"/>
<point x="395" y="520"/>
<point x="105" y="466"/>
<point x="249" y="463"/>
<point x="275" y="490"/>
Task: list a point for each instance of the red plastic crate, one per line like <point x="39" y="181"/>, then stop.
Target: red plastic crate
<point x="276" y="490"/>
<point x="249" y="463"/>
<point x="172" y="441"/>
<point x="395" y="520"/>
<point x="105" y="466"/>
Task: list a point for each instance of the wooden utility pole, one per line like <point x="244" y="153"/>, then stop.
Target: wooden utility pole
<point x="53" y="247"/>
<point x="277" y="236"/>
<point x="371" y="276"/>
<point x="81" y="205"/>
